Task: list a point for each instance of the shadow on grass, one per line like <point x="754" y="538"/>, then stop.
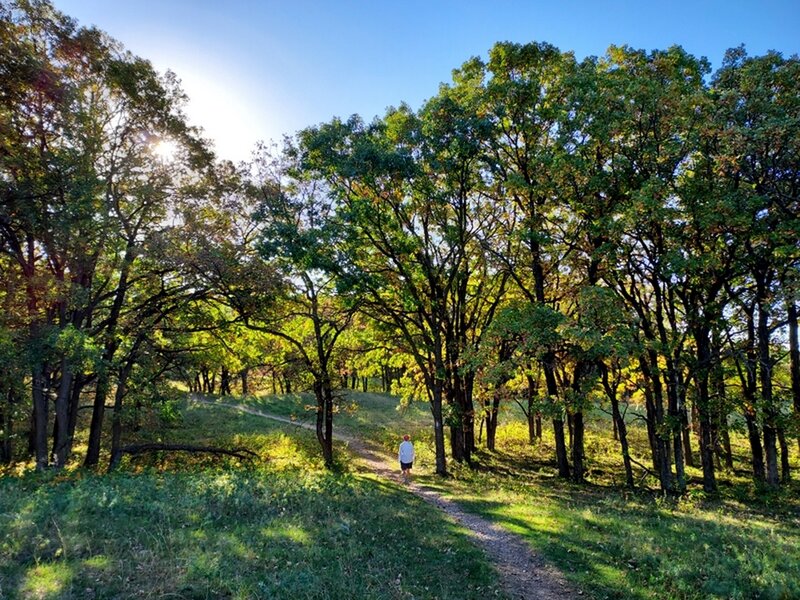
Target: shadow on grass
<point x="636" y="544"/>
<point x="224" y="532"/>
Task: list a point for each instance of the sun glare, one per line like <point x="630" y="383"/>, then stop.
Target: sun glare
<point x="165" y="149"/>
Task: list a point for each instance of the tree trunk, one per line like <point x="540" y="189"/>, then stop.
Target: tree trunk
<point x="533" y="416"/>
<point x="225" y="382"/>
<point x="653" y="394"/>
<point x="116" y="420"/>
<point x="786" y="473"/>
<point x="457" y="440"/>
<point x="686" y="434"/>
<point x="78" y="384"/>
<point x="61" y="440"/>
<point x="583" y="370"/>
<point x="619" y="426"/>
<point x="674" y="409"/>
<point x="468" y="412"/>
<point x="462" y="425"/>
<point x="548" y="365"/>
<point x="765" y="378"/>
<point x="703" y="350"/>
<point x="771" y="451"/>
<point x="98" y="414"/>
<point x="7" y="423"/>
<point x="490" y="418"/>
<point x="109" y="351"/>
<point x="40" y="414"/>
<point x="577" y="447"/>
<point x="245" y="379"/>
<point x="726" y="446"/>
<point x="438" y="430"/>
<point x="794" y="361"/>
<point x="756" y="450"/>
<point x="324" y="428"/>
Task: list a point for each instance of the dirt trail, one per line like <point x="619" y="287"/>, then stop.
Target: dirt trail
<point x="523" y="574"/>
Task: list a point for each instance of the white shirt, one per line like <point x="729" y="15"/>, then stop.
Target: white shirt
<point x="406" y="453"/>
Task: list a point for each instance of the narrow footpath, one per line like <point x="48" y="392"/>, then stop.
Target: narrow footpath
<point x="523" y="574"/>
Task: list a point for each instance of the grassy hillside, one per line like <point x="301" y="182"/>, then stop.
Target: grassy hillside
<point x="195" y="526"/>
<point x="610" y="542"/>
<point x="191" y="526"/>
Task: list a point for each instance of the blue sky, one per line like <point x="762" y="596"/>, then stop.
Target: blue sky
<point x="256" y="70"/>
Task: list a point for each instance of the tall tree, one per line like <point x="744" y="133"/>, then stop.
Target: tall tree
<point x="82" y="189"/>
<point x="408" y="191"/>
<point x="758" y="101"/>
<point x="524" y="93"/>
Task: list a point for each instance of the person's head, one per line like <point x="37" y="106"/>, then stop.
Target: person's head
<point x="406" y="437"/>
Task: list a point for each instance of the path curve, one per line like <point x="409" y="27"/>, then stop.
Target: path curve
<point x="524" y="575"/>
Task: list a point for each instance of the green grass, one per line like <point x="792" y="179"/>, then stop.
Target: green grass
<point x="613" y="543"/>
<point x="377" y="418"/>
<point x="610" y="542"/>
<point x="192" y="526"/>
<point x="197" y="526"/>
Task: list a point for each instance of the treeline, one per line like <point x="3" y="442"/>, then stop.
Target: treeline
<point x="105" y="192"/>
<point x="620" y="230"/>
<point x="570" y="232"/>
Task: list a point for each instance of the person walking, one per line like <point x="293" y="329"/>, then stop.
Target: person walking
<point x="406" y="456"/>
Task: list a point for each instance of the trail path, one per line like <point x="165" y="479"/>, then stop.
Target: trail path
<point x="523" y="574"/>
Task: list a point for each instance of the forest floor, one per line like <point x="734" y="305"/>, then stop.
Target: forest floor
<point x="523" y="574"/>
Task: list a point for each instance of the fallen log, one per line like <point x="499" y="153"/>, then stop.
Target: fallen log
<point x="116" y="457"/>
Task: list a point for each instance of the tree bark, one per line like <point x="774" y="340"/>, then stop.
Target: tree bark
<point x="794" y="361"/>
<point x="548" y="365"/>
<point x="674" y="409"/>
<point x="40" y="414"/>
<point x="438" y="430"/>
<point x="786" y="473"/>
<point x="245" y="379"/>
<point x="532" y="416"/>
<point x="78" y="384"/>
<point x="119" y="396"/>
<point x="620" y="427"/>
<point x="98" y="415"/>
<point x="61" y="442"/>
<point x="703" y="351"/>
<point x="490" y="417"/>
<point x="7" y="423"/>
<point x="765" y="378"/>
<point x="654" y="403"/>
